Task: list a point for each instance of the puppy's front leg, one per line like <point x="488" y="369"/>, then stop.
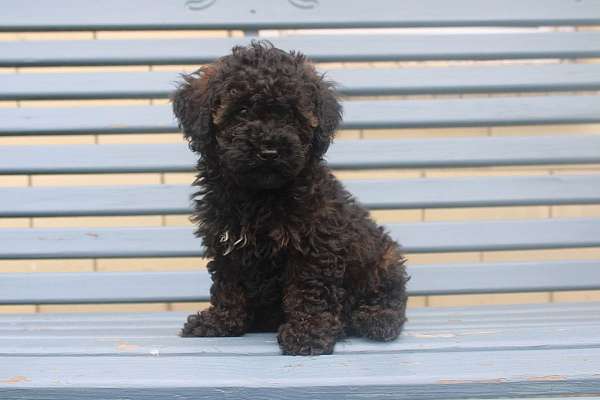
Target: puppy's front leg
<point x="313" y="305"/>
<point x="227" y="315"/>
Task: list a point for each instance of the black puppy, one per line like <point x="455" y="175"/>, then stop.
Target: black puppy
<point x="291" y="249"/>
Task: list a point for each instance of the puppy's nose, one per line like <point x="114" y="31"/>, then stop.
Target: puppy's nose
<point x="268" y="154"/>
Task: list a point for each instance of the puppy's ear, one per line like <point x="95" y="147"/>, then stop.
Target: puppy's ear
<point x="192" y="103"/>
<point x="329" y="116"/>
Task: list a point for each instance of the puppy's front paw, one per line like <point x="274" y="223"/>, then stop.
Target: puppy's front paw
<point x="298" y="339"/>
<point x="214" y="322"/>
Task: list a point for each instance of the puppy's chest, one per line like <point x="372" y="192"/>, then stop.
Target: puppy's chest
<point x="263" y="278"/>
<point x="256" y="242"/>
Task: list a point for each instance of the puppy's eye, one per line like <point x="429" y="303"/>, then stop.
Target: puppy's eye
<point x="243" y="111"/>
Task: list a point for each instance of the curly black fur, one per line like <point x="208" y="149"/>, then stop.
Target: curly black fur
<point x="291" y="249"/>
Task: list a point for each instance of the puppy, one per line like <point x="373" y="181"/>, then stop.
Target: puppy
<point x="291" y="250"/>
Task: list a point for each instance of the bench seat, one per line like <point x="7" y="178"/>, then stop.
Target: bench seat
<point x="488" y="351"/>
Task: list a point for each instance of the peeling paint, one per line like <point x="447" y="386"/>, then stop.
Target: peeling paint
<point x="124" y="346"/>
<point x="461" y="382"/>
<point x="447" y="334"/>
<point x="299" y="365"/>
<point x="451" y="382"/>
<point x="16" y="379"/>
<point x="477" y="333"/>
<point x="431" y="335"/>
<point x="548" y="378"/>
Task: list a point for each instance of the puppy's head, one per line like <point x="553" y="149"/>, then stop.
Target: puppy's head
<point x="261" y="114"/>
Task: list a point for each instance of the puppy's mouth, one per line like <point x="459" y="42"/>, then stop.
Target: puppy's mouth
<point x="270" y="181"/>
<point x="269" y="177"/>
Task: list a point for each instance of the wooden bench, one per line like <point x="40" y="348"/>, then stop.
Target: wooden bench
<point x="500" y="351"/>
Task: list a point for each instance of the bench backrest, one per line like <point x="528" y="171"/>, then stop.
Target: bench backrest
<point x="455" y="98"/>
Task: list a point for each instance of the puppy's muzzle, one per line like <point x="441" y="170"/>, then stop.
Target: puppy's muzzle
<point x="268" y="154"/>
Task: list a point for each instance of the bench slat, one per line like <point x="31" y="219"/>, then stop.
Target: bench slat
<point x="168" y="329"/>
<point x="375" y="194"/>
<point x="269" y="14"/>
<point x="420" y="375"/>
<point x="417" y="238"/>
<point x="319" y="48"/>
<point x="134" y="332"/>
<point x="135" y="287"/>
<point x="439" y="315"/>
<point x="344" y="154"/>
<point x="354" y="82"/>
<point x="434" y="317"/>
<point x="146" y="331"/>
<point x="371" y="114"/>
<point x="412" y="339"/>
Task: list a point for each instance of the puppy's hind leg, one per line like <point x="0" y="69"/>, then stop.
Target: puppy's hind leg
<point x="380" y="315"/>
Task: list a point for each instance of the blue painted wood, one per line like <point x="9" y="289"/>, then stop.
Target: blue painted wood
<point x="504" y="277"/>
<point x="343" y="154"/>
<point x="271" y="14"/>
<point x="511" y="337"/>
<point x="435" y="318"/>
<point x="163" y="324"/>
<point x="416" y="238"/>
<point x="354" y="82"/>
<point x="357" y="115"/>
<point x="126" y="287"/>
<point x="109" y="287"/>
<point x="494" y="331"/>
<point x="97" y="158"/>
<point x="96" y="200"/>
<point x="465" y="152"/>
<point x="318" y="48"/>
<point x="432" y="322"/>
<point x="419" y="375"/>
<point x="375" y="194"/>
<point x="158" y="332"/>
<point x="429" y="315"/>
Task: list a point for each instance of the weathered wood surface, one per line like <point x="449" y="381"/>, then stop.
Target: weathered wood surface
<point x="419" y="375"/>
<point x="460" y="352"/>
